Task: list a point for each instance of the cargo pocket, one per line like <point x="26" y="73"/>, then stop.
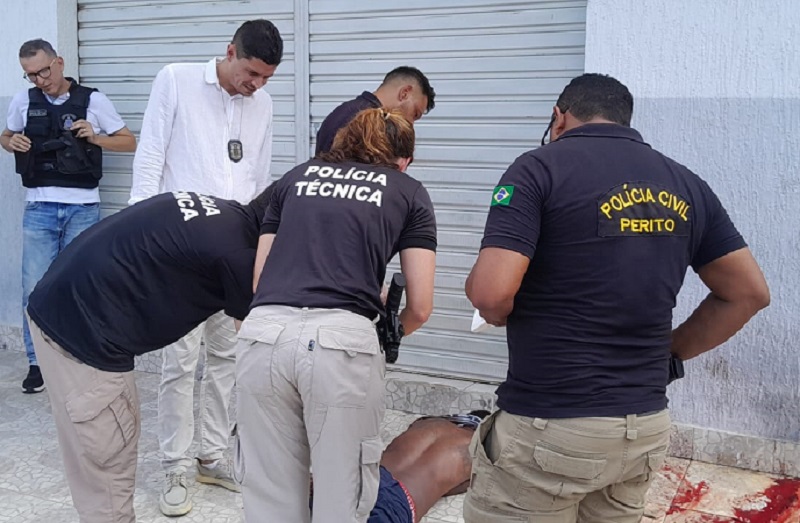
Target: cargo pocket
<point x="569" y="464"/>
<point x="254" y="355"/>
<point x="655" y="460"/>
<point x="482" y="479"/>
<point x="260" y="330"/>
<point x="238" y="457"/>
<point x="343" y="366"/>
<point x="477" y="513"/>
<point x="633" y="491"/>
<point x="104" y="419"/>
<point x="369" y="476"/>
<point x="566" y="477"/>
<point x="476" y="444"/>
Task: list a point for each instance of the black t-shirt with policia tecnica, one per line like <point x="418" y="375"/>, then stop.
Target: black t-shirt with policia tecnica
<point x="337" y="226"/>
<point x="146" y="276"/>
<point x="610" y="227"/>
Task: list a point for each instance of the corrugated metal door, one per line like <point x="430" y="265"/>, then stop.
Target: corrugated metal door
<point x="124" y="43"/>
<point x="497" y="68"/>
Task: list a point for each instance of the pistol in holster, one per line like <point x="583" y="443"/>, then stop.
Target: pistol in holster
<point x="676" y="371"/>
<point x="390" y="330"/>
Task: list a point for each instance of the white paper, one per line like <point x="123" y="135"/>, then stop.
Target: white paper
<point x="478" y="323"/>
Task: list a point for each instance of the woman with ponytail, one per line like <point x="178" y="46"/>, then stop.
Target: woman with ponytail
<point x="310" y="370"/>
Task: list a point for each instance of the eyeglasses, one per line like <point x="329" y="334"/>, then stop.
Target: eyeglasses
<point x="550" y="125"/>
<point x="41" y="73"/>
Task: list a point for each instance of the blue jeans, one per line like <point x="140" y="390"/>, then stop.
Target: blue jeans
<point x="48" y="227"/>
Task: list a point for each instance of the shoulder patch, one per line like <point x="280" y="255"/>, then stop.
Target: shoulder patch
<point x="502" y="195"/>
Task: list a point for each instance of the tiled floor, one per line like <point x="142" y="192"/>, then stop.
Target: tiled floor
<point x="32" y="486"/>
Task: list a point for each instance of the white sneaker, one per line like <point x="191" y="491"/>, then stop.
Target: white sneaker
<point x="219" y="475"/>
<point x="175" y="499"/>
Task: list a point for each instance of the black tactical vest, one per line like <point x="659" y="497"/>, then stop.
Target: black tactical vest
<point x="57" y="158"/>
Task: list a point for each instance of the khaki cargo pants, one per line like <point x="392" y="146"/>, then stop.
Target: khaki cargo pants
<point x="310" y="396"/>
<point x="586" y="470"/>
<point x="98" y="423"/>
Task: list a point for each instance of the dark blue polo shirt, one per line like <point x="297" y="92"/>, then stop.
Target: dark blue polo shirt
<point x="340" y="117"/>
<point x="610" y="226"/>
<point x="146" y="276"/>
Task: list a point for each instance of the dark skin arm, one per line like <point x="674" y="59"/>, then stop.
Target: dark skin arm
<point x="460" y="489"/>
<point x="494" y="281"/>
<point x="738" y="292"/>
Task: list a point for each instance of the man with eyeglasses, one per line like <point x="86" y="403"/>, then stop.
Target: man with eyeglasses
<point x="586" y="246"/>
<point x="54" y="130"/>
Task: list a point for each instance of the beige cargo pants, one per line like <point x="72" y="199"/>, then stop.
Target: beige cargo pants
<point x="98" y="423"/>
<point x="585" y="470"/>
<point x="310" y="396"/>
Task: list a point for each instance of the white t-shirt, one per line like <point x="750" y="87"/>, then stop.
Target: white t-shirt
<point x="100" y="113"/>
<point x="187" y="125"/>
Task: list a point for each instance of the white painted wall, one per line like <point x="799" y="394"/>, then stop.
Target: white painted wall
<point x="716" y="86"/>
<point x="21" y="20"/>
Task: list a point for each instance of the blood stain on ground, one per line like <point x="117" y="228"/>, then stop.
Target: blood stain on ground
<point x="782" y="504"/>
<point x="700" y="517"/>
<point x="688" y="496"/>
<point x="668" y="472"/>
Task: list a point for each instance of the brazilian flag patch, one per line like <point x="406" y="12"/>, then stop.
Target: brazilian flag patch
<point x="502" y="195"/>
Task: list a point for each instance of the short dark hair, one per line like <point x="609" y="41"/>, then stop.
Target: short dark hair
<point x="259" y="39"/>
<point x="591" y="95"/>
<point x="31" y="47"/>
<point x="405" y="72"/>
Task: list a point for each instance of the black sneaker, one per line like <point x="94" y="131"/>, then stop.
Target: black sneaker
<point x="34" y="382"/>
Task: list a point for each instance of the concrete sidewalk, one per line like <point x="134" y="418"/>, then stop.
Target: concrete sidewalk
<point x="33" y="489"/>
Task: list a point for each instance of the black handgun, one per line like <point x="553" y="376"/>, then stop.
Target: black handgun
<point x="390" y="330"/>
<point x="676" y="371"/>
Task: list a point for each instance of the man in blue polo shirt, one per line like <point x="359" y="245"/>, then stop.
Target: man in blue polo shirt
<point x="586" y="246"/>
<point x="404" y="88"/>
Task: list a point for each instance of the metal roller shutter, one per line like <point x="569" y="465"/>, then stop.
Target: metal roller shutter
<point x="497" y="68"/>
<point x="124" y="43"/>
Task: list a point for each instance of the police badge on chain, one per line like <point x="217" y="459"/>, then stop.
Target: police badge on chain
<point x="235" y="151"/>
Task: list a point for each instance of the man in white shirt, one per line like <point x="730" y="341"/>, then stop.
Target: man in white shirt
<point x="208" y="129"/>
<point x="54" y="130"/>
